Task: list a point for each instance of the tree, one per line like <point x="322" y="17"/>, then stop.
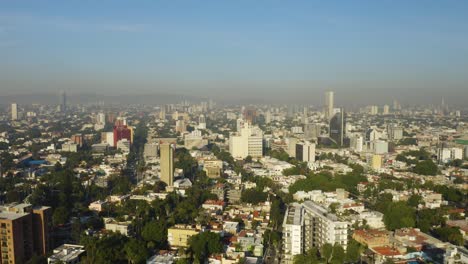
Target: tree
<point x="155" y="232"/>
<point x="415" y="200"/>
<point x="450" y="234"/>
<point x="253" y="196"/>
<point x="205" y="244"/>
<point x="136" y="251"/>
<point x="60" y="216"/>
<point x="327" y="252"/>
<point x="426" y="167"/>
<point x="338" y="254"/>
<point x="353" y="251"/>
<point x="399" y="215"/>
<point x="248" y="159"/>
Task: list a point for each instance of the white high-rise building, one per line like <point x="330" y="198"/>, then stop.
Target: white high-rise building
<point x="321" y="227"/>
<point x="357" y="143"/>
<point x="101" y="118"/>
<point x="293" y="232"/>
<point x="202" y="122"/>
<point x="268" y="117"/>
<point x="329" y="104"/>
<point x="449" y="154"/>
<point x="373" y="109"/>
<point x="386" y="110"/>
<point x="305" y="151"/>
<point x="310" y="225"/>
<point x="379" y="146"/>
<point x="394" y="132"/>
<point x="248" y="142"/>
<point x="151" y="150"/>
<point x="14" y="111"/>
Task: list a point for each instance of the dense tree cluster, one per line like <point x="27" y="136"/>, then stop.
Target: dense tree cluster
<point x="334" y="254"/>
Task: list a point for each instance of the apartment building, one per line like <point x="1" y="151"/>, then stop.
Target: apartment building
<point x="24" y="232"/>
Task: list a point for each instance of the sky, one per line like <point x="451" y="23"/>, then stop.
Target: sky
<point x="272" y="50"/>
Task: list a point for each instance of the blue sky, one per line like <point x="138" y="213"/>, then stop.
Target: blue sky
<point x="376" y="49"/>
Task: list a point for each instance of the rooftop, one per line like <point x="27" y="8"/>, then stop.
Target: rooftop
<point x="66" y="253"/>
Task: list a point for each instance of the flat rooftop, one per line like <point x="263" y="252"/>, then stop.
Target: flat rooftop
<point x="11" y="215"/>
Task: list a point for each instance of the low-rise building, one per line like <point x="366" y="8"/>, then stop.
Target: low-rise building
<point x="178" y="235"/>
<point x="67" y="254"/>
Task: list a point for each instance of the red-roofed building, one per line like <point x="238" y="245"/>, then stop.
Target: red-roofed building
<point x="214" y="205"/>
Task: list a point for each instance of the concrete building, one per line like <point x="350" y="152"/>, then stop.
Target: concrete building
<point x="329" y="105"/>
<point x="374" y="161"/>
<point x="69" y="147"/>
<point x="372" y="237"/>
<point x="151" y="150"/>
<point x="249" y="142"/>
<point x="179" y="235"/>
<point x="67" y="254"/>
<point x="293" y="232"/>
<point x="394" y="132"/>
<point x="124" y="145"/>
<point x="123" y="227"/>
<point x="167" y="164"/>
<point x="25" y="232"/>
<point x="14" y="111"/>
<point x="108" y="138"/>
<point x="386" y="110"/>
<point x="180" y="126"/>
<point x="337" y="128"/>
<point x="322" y="227"/>
<point x="309" y="225"/>
<point x="305" y="151"/>
<point x="357" y="143"/>
<point x="312" y="131"/>
<point x="379" y="146"/>
<point x="213" y="168"/>
<point x="202" y="122"/>
<point x="373" y="109"/>
<point x="448" y="154"/>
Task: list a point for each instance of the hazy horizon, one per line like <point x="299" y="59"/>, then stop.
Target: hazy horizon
<point x="368" y="52"/>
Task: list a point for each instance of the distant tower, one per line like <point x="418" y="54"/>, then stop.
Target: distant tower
<point x="202" y="122"/>
<point x="14" y="111"/>
<point x="337" y="127"/>
<point x="386" y="110"/>
<point x="63" y="101"/>
<point x="329" y="104"/>
<point x="167" y="164"/>
<point x="305" y="118"/>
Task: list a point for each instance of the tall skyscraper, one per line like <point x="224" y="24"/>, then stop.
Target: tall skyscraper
<point x="167" y="164"/>
<point x="63" y="101"/>
<point x="337" y="128"/>
<point x="329" y="104"/>
<point x="14" y="111"/>
<point x="250" y="115"/>
<point x="386" y="110"/>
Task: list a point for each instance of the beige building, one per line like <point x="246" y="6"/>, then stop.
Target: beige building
<point x="167" y="164"/>
<point x="179" y="235"/>
<point x="249" y="142"/>
<point x="372" y="237"/>
<point x="375" y="161"/>
<point x="24" y="232"/>
<point x="213" y="168"/>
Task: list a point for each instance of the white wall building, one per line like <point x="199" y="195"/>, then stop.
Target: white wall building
<point x="293" y="232"/>
<point x="249" y="142"/>
<point x="305" y="151"/>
